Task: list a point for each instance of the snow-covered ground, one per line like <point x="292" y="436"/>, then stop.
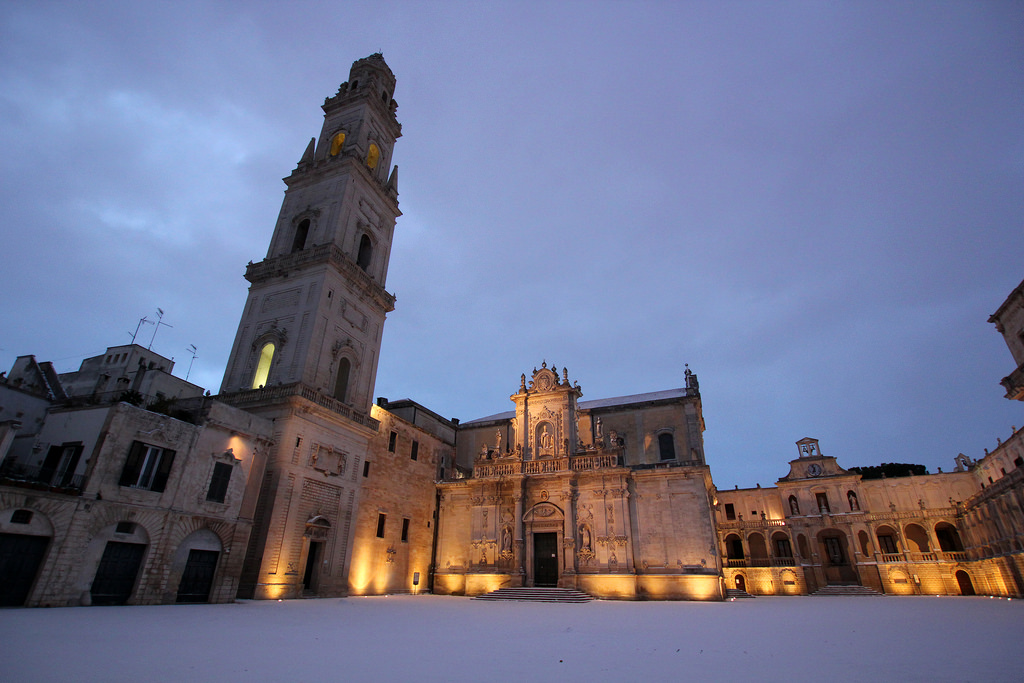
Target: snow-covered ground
<point x="434" y="638"/>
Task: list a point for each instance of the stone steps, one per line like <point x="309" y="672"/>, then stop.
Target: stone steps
<point x="847" y="590"/>
<point x="737" y="593"/>
<point x="534" y="594"/>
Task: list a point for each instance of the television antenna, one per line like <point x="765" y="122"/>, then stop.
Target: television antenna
<point x="158" y="323"/>
<point x="193" y="350"/>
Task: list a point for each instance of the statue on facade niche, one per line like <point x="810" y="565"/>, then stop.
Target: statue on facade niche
<point x="506" y="540"/>
<point x="585" y="537"/>
<point x="545" y="439"/>
<point x="497" y="441"/>
<point x="599" y="433"/>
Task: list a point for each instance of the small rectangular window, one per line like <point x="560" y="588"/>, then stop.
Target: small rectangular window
<point x="381" y="519"/>
<point x="730" y="511"/>
<point x="125" y="528"/>
<point x="21" y="517"/>
<point x="366" y="468"/>
<point x="219" y="482"/>
<point x="415" y="454"/>
<point x="392" y="440"/>
<point x="405" y="530"/>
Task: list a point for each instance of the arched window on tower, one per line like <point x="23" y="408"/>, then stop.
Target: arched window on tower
<point x="373" y="156"/>
<point x="365" y="252"/>
<point x="337" y="142"/>
<point x="301" y="232"/>
<point x="666" y="446"/>
<point x="259" y="380"/>
<point x="341" y="382"/>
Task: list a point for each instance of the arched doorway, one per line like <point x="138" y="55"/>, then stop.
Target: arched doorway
<point x="543" y="526"/>
<point x="963" y="579"/>
<point x="948" y="538"/>
<point x="123" y="547"/>
<point x="24" y="539"/>
<point x="741" y="583"/>
<point x="317" y="530"/>
<point x="734" y="550"/>
<point x="758" y="550"/>
<point x="196" y="559"/>
<point x="835" y="553"/>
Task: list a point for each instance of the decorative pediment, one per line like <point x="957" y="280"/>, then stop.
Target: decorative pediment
<point x="544" y="379"/>
<point x="543" y="512"/>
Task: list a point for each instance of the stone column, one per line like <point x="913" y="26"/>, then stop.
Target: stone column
<point x="517" y="534"/>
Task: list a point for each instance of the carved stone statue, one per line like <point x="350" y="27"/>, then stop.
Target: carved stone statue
<point x="497" y="441"/>
<point x="506" y="540"/>
<point x="545" y="439"/>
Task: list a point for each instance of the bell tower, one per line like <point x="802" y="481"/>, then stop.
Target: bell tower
<point x="306" y="351"/>
<point x="317" y="302"/>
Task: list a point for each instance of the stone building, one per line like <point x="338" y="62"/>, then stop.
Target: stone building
<point x="120" y="483"/>
<point x="611" y="497"/>
<point x="306" y="351"/>
<point x="107" y="502"/>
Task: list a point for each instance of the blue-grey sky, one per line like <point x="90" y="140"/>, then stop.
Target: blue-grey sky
<point x="816" y="205"/>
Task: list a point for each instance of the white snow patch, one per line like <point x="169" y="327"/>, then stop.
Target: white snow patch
<point x="434" y="638"/>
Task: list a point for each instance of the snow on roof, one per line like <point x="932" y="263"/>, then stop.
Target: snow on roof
<point x="597" y="403"/>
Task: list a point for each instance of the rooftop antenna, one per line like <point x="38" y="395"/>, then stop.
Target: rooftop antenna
<point x="193" y="350"/>
<point x="159" y="322"/>
<point x="137" y="327"/>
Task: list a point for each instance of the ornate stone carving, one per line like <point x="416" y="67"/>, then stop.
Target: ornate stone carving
<point x="391" y="552"/>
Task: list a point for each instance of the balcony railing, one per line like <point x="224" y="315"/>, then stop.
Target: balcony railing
<point x="251" y="396"/>
<point x="574" y="463"/>
<point x="41" y="478"/>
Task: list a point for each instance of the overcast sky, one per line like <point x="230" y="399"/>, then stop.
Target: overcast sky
<point x="816" y="205"/>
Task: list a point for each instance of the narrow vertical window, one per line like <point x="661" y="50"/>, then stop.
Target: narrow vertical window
<point x="415" y="454"/>
<point x="219" y="482"/>
<point x="301" y="233"/>
<point x="263" y="367"/>
<point x="341" y="382"/>
<point x="366" y="468"/>
<point x="392" y="441"/>
<point x="365" y="252"/>
<point x="405" y="530"/>
<point x="730" y="511"/>
<point x="337" y="142"/>
<point x="381" y="519"/>
<point x="666" y="447"/>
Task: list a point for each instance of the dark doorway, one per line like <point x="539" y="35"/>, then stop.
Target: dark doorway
<point x="545" y="559"/>
<point x="20" y="557"/>
<point x="312" y="560"/>
<point x="741" y="583"/>
<point x="197" y="579"/>
<point x="115" y="577"/>
<point x="966" y="585"/>
<point x="837" y="563"/>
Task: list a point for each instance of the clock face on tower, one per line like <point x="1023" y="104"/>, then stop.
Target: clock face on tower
<point x="814" y="470"/>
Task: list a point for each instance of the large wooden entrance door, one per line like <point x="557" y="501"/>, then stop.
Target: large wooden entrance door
<point x="545" y="559"/>
<point x="20" y="557"/>
<point x="197" y="579"/>
<point x="838" y="569"/>
<point x="115" y="577"/>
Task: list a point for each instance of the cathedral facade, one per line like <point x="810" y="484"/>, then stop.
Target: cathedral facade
<point x="122" y="484"/>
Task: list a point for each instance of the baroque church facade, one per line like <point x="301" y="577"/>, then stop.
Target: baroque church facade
<point x="122" y="484"/>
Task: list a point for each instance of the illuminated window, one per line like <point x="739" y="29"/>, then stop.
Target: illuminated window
<point x="147" y="467"/>
<point x="666" y="446"/>
<point x="405" y="530"/>
<point x="373" y="156"/>
<point x="381" y="519"/>
<point x="336" y="144"/>
<point x="263" y="367"/>
<point x="365" y="252"/>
